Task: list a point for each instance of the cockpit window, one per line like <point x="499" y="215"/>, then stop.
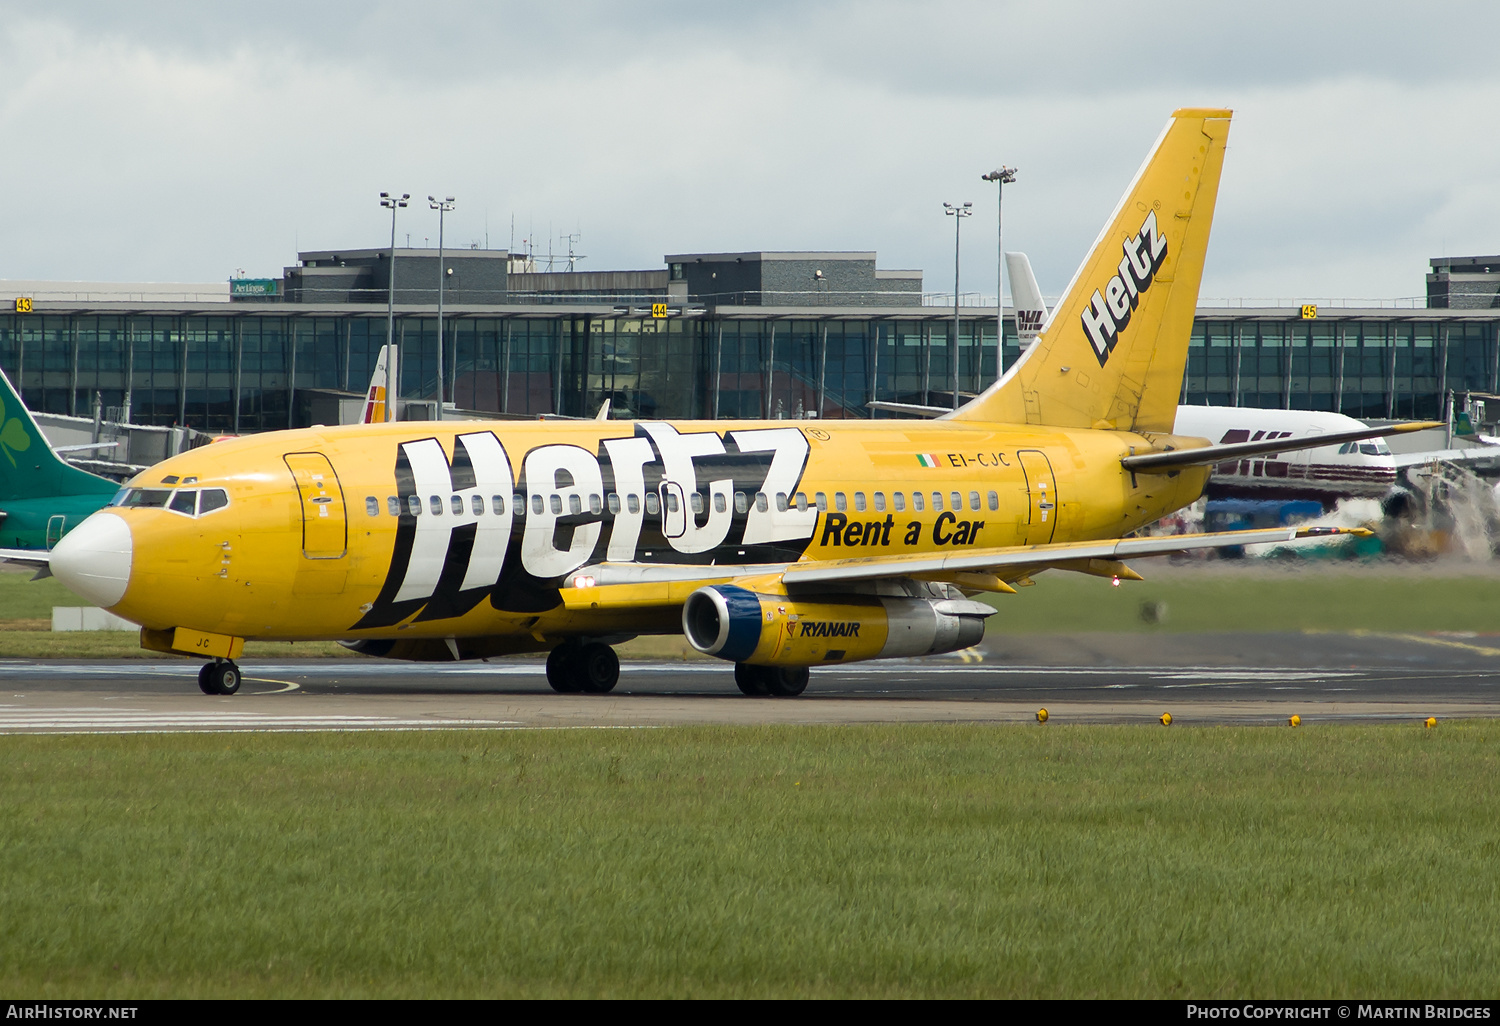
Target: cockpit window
<point x="187" y="501"/>
<point x="143" y="497"/>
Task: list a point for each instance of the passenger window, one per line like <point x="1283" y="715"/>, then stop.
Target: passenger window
<point x="898" y="500"/>
<point x="839" y="502"/>
<point x="575" y="503"/>
<point x="820" y="500"/>
<point x="973" y="500"/>
<point x="880" y="502"/>
<point x="937" y="501"/>
<point x="721" y="505"/>
<point x="781" y="503"/>
<point x="633" y="503"/>
<point x="414" y="505"/>
<point x="518" y="503"/>
<point x="497" y="503"/>
<point x="436" y="503"/>
<point x="801" y="502"/>
<point x="612" y="500"/>
<point x="653" y="505"/>
<point x="994" y="502"/>
<point x="216" y="498"/>
<point x="539" y="505"/>
<point x="741" y="502"/>
<point x="672" y="504"/>
<point x="393" y="505"/>
<point x="476" y="503"/>
<point x="916" y="501"/>
<point x="596" y="505"/>
<point x="958" y="502"/>
<point x="184" y="502"/>
<point x="696" y="502"/>
<point x="458" y="505"/>
<point x="372" y="506"/>
<point x="761" y="502"/>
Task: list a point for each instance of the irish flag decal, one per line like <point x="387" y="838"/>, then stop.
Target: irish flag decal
<point x="927" y="459"/>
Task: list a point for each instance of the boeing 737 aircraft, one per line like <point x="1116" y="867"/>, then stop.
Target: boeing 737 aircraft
<point x="775" y="545"/>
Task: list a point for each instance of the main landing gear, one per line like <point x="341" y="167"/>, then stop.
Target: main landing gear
<point x="592" y="668"/>
<point x="220" y="677"/>
<point x="780" y="681"/>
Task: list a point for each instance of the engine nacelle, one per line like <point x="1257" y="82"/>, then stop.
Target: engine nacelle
<point x="775" y="630"/>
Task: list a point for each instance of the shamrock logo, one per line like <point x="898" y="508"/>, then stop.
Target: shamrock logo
<point x="13" y="436"/>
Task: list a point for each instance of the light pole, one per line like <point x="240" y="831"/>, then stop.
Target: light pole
<point x="958" y="214"/>
<point x="1001" y="176"/>
<point x="442" y="206"/>
<point x="387" y="200"/>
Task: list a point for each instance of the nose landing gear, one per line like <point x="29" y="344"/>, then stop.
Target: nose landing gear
<point x="592" y="668"/>
<point x="220" y="677"/>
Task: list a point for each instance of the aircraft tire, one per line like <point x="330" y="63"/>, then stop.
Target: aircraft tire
<point x="596" y="668"/>
<point x="752" y="680"/>
<point x="206" y="680"/>
<point x="787" y="681"/>
<point x="225" y="677"/>
<point x="561" y="673"/>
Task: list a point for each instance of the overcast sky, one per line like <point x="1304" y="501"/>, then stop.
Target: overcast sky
<point x="181" y="142"/>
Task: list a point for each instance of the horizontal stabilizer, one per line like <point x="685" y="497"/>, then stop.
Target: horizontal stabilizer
<point x="1174" y="459"/>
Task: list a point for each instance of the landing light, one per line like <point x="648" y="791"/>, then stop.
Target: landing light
<point x="584" y="581"/>
<point x="1115" y="582"/>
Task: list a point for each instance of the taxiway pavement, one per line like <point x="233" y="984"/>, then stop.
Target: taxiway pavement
<point x="1199" y="678"/>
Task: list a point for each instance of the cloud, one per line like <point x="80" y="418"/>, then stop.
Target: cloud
<point x="179" y="142"/>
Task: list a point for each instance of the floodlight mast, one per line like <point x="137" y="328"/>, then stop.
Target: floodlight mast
<point x="387" y="200"/>
<point x="1001" y="176"/>
<point x="442" y="206"/>
<point x="958" y="214"/>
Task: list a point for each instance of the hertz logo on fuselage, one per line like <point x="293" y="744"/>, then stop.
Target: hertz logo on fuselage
<point x="1109" y="312"/>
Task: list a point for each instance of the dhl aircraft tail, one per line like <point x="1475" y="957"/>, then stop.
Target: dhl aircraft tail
<point x="375" y="394"/>
<point x="1113" y="352"/>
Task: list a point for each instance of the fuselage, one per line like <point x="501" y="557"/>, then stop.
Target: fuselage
<point x="470" y="529"/>
<point x="1351" y="470"/>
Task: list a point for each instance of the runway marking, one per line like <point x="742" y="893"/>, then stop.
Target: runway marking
<point x="290" y="686"/>
<point x="1421" y="639"/>
<point x="82" y="720"/>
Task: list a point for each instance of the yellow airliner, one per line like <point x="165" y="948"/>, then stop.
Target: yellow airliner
<point x="776" y="545"/>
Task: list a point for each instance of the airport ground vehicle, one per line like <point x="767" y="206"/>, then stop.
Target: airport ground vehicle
<point x="776" y="545"/>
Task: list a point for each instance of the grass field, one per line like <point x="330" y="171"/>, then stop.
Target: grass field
<point x="1256" y="599"/>
<point x="862" y="861"/>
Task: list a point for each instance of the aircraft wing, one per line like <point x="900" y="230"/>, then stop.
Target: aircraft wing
<point x="37" y="559"/>
<point x="650" y="583"/>
<point x="1173" y="459"/>
<point x="1006" y="561"/>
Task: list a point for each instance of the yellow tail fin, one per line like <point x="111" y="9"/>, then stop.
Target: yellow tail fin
<point x="1112" y="354"/>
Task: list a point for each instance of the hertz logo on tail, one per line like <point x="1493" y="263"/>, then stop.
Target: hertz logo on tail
<point x="1109" y="312"/>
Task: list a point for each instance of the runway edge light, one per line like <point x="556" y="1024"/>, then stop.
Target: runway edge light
<point x="1041" y="715"/>
<point x="1166" y="719"/>
<point x="1294" y="720"/>
<point x="1430" y="722"/>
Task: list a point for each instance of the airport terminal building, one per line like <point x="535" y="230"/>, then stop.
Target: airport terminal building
<point x="780" y="335"/>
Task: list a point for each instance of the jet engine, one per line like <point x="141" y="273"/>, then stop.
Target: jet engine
<point x="777" y="630"/>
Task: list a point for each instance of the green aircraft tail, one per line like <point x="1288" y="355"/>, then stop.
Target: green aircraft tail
<point x="29" y="469"/>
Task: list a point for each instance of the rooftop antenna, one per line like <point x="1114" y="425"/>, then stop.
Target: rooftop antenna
<point x="573" y="258"/>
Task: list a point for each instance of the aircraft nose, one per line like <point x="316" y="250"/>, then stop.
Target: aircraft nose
<point x="93" y="559"/>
